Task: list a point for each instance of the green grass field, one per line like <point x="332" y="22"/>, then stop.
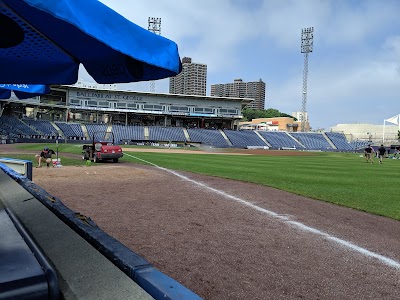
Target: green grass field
<point x="340" y="178"/>
<point x="344" y="179"/>
<point x="66" y="148"/>
<point x="62" y="148"/>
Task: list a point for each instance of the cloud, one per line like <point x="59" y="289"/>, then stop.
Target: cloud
<point x="354" y="68"/>
<point x="200" y="28"/>
<point x="391" y="52"/>
<point x="335" y="22"/>
<point x="364" y="90"/>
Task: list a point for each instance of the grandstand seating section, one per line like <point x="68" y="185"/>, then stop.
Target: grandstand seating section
<point x="16" y="127"/>
<point x="98" y="129"/>
<point x="209" y="137"/>
<point x="134" y="133"/>
<point x="243" y="139"/>
<point x="356" y="145"/>
<point x="312" y="140"/>
<point x="29" y="128"/>
<point x="158" y="133"/>
<point x="339" y="140"/>
<point x="43" y="127"/>
<point x="71" y="130"/>
<point x="279" y="139"/>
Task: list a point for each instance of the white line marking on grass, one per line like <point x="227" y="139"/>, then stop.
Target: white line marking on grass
<point x="387" y="261"/>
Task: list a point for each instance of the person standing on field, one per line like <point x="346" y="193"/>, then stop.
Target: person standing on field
<point x="369" y="153"/>
<point x="381" y="153"/>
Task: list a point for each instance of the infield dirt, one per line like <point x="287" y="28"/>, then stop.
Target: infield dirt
<point x="227" y="239"/>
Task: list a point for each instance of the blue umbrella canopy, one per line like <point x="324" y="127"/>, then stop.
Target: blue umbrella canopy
<point x="44" y="42"/>
<point x="23" y="91"/>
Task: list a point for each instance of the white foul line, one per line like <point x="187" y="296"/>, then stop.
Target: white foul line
<point x="387" y="261"/>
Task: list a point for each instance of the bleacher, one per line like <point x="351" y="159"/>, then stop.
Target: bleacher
<point x="312" y="140"/>
<point x="15" y="127"/>
<point x="7" y="129"/>
<point x="339" y="140"/>
<point x="12" y="127"/>
<point x="77" y="129"/>
<point x="99" y="129"/>
<point x="71" y="130"/>
<point x="279" y="139"/>
<point x="357" y="144"/>
<point x="43" y="126"/>
<point x="244" y="138"/>
<point x="207" y="137"/>
<point x="173" y="134"/>
<point x="129" y="133"/>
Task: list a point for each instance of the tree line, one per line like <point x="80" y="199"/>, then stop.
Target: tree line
<point x="251" y="113"/>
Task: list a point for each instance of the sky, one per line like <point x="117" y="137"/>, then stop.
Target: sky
<point x="354" y="69"/>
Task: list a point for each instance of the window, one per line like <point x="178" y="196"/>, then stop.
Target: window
<point x="122" y="105"/>
<point x="225" y="111"/>
<point x="131" y="105"/>
<point x="92" y="103"/>
<point x="75" y="102"/>
<point x="153" y="107"/>
<point x="103" y="104"/>
<point x="203" y="110"/>
<point x="178" y="109"/>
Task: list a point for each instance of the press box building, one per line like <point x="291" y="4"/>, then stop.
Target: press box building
<point x="104" y="104"/>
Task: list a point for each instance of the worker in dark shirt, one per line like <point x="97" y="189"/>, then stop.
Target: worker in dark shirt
<point x="381" y="153"/>
<point x="369" y="153"/>
<point x="44" y="156"/>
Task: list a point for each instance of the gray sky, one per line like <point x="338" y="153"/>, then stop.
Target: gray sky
<point x="354" y="70"/>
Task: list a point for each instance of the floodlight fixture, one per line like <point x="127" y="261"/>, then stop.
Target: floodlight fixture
<point x="307" y="40"/>
<point x="307" y="45"/>
<point x="154" y="25"/>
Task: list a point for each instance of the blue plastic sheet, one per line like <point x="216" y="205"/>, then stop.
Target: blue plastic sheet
<point x="44" y="42"/>
<point x="23" y="91"/>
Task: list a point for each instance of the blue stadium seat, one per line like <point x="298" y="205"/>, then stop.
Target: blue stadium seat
<point x="244" y="138"/>
<point x="312" y="140"/>
<point x="207" y="137"/>
<point x="279" y="139"/>
<point x="43" y="126"/>
<point x="71" y="130"/>
<point x="129" y="132"/>
<point x="339" y="140"/>
<point x="99" y="129"/>
<point x="174" y="134"/>
<point x="15" y="127"/>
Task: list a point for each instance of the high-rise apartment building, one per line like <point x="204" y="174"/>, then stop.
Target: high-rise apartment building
<point x="254" y="90"/>
<point x="191" y="81"/>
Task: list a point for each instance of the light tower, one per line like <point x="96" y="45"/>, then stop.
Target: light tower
<point x="307" y="36"/>
<point x="155" y="27"/>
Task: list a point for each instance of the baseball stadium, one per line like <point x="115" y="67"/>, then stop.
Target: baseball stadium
<point x="195" y="206"/>
<point x="114" y="194"/>
<point x="72" y="114"/>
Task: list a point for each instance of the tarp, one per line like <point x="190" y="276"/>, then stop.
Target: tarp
<point x="44" y="42"/>
<point x="23" y="91"/>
